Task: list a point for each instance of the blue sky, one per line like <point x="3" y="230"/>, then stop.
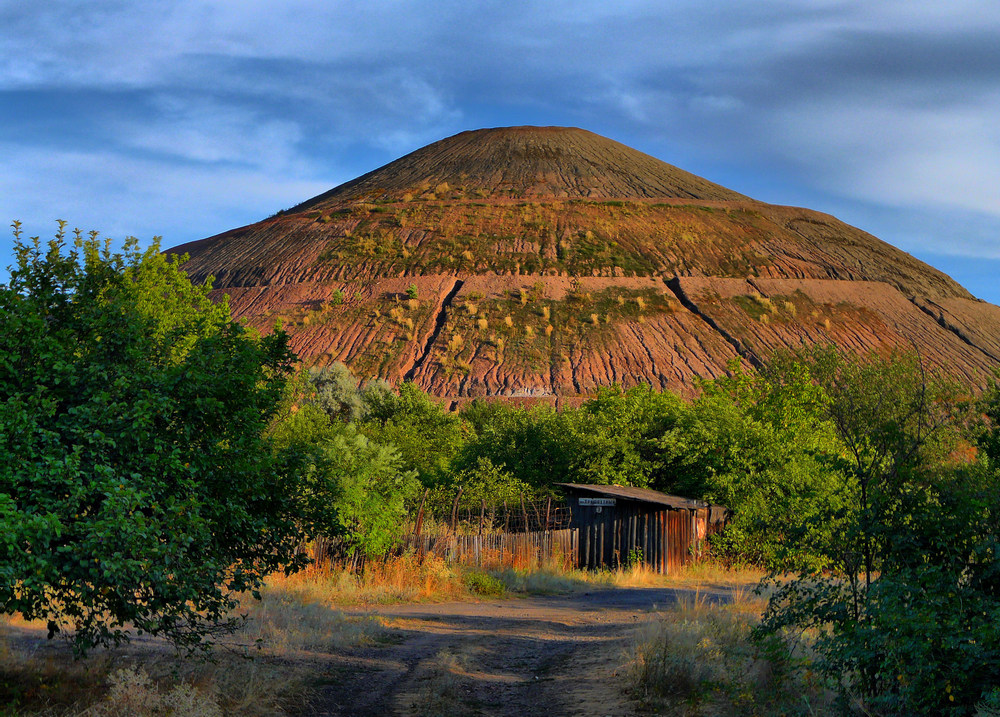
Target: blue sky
<point x="184" y="119"/>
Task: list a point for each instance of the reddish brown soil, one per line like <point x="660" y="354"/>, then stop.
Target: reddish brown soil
<point x="550" y="261"/>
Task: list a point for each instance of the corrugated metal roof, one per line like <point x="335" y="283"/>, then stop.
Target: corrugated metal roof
<point x="640" y="494"/>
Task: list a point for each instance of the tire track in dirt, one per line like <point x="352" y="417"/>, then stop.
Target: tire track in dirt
<point x="555" y="655"/>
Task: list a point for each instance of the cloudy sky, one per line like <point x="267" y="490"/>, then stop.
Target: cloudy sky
<point x="187" y="118"/>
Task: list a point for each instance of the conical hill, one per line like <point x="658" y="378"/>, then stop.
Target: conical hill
<point x="543" y="262"/>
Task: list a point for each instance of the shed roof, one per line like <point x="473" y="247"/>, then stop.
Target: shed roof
<point x="643" y="495"/>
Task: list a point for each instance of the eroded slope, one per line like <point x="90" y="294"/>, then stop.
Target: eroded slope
<point x="547" y="262"/>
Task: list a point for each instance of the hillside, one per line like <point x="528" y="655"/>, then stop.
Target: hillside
<point x="549" y="261"/>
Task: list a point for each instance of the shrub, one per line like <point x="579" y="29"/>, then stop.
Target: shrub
<point x="138" y="486"/>
<point x="483" y="584"/>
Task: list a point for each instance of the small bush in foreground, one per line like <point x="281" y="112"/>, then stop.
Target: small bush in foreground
<point x="132" y="692"/>
<point x="484" y="584"/>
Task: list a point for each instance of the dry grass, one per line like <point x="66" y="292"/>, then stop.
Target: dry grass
<point x="40" y="678"/>
<point x="699" y="659"/>
<point x="265" y="668"/>
<point x="401" y="579"/>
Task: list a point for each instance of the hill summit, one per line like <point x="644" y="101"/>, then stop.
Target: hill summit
<point x="542" y="262"/>
<point x="550" y="162"/>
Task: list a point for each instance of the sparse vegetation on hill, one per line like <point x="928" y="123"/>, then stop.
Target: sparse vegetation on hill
<point x="576" y="215"/>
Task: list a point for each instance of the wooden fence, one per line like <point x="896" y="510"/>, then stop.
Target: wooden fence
<point x="556" y="548"/>
<point x="549" y="548"/>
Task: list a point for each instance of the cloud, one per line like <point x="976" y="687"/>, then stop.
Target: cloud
<point x="144" y="197"/>
<point x="881" y="109"/>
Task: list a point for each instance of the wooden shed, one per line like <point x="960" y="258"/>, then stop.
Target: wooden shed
<point x="619" y="524"/>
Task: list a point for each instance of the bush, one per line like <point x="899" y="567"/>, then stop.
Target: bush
<point x="349" y="486"/>
<point x="483" y="584"/>
<point x="907" y="618"/>
<point x="136" y="485"/>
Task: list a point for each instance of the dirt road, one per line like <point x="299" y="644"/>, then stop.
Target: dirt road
<point x="559" y="655"/>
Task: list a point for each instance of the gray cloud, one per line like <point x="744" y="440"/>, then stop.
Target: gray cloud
<point x="881" y="111"/>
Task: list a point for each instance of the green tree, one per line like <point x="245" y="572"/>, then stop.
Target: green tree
<point x="532" y="445"/>
<point x="136" y="486"/>
<point x="349" y="486"/>
<point x="906" y="616"/>
<point x="760" y="444"/>
<point x="427" y="436"/>
<point x="615" y="435"/>
<point x="337" y="392"/>
<point x="486" y="482"/>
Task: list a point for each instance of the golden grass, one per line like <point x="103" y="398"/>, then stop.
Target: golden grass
<point x="698" y="658"/>
<point x="38" y="678"/>
<point x="264" y="668"/>
<point x="399" y="579"/>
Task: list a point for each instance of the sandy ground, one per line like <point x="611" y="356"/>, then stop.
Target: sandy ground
<point x="558" y="655"/>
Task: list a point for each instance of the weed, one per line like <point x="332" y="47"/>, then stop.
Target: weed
<point x="483" y="584"/>
<point x="132" y="692"/>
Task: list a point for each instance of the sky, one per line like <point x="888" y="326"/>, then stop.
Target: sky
<point x="184" y="119"/>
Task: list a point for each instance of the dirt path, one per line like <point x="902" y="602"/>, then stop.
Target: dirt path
<point x="559" y="655"/>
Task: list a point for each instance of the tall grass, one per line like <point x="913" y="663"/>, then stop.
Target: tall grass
<point x="699" y="658"/>
<point x="266" y="668"/>
<point x="255" y="671"/>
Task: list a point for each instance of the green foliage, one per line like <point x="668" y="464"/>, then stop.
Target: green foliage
<point x="616" y="435"/>
<point x="137" y="487"/>
<point x="484" y="584"/>
<point x="988" y="429"/>
<point x="611" y="439"/>
<point x="341" y="397"/>
<point x="349" y="486"/>
<point x="337" y="392"/>
<point x="484" y="481"/>
<point x="411" y="291"/>
<point x="760" y="445"/>
<point x="426" y="435"/>
<point x="530" y="444"/>
<point x="907" y="619"/>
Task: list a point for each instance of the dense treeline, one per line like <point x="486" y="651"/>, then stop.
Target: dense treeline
<point x="159" y="459"/>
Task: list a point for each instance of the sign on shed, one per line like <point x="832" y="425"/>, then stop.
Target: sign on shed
<point x="601" y="502"/>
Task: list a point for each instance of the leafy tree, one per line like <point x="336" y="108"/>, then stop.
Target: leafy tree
<point x="487" y="482"/>
<point x="615" y="435"/>
<point x="532" y="445"/>
<point x="136" y="486"/>
<point x="341" y="396"/>
<point x="426" y="435"/>
<point x="349" y="486"/>
<point x="907" y="618"/>
<point x="759" y="444"/>
<point x="337" y="392"/>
